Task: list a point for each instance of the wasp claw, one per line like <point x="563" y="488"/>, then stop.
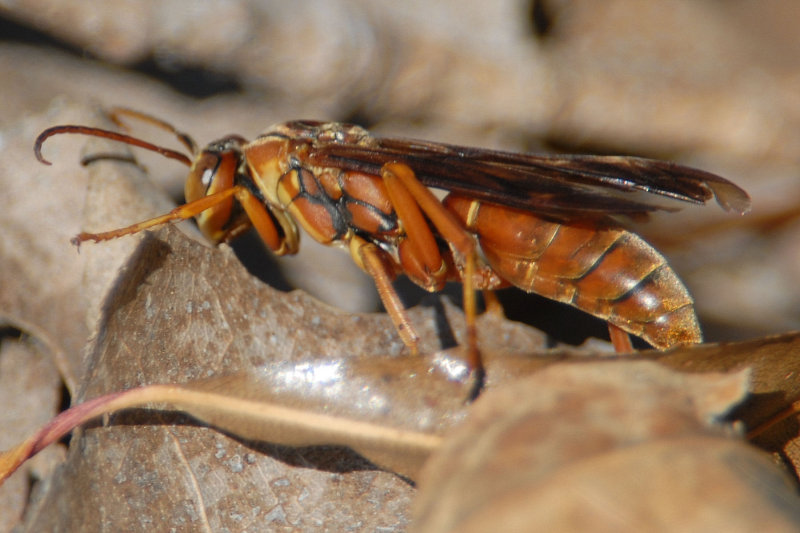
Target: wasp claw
<point x="478" y="383"/>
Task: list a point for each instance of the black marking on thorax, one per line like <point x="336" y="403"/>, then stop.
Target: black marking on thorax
<point x="340" y="215"/>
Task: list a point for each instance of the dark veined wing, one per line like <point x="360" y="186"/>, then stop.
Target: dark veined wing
<point x="548" y="184"/>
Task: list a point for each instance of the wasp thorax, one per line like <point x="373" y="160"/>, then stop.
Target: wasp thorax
<point x="319" y="132"/>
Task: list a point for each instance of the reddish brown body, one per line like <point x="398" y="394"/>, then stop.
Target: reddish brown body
<point x="604" y="270"/>
<point x="541" y="223"/>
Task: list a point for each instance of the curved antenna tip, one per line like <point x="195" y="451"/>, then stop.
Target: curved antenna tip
<point x="37" y="151"/>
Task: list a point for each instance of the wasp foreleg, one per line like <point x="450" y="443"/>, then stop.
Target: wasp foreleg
<point x="182" y="212"/>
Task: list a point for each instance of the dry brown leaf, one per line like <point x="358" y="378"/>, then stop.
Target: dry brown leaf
<point x="604" y="427"/>
<point x="234" y="404"/>
<point x="183" y="312"/>
<point x="775" y="366"/>
<point x="616" y="446"/>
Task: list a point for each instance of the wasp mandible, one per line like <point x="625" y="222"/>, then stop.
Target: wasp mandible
<point x="543" y="223"/>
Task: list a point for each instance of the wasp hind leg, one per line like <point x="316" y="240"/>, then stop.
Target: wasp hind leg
<point x="408" y="194"/>
<point x="492" y="303"/>
<point x="620" y="339"/>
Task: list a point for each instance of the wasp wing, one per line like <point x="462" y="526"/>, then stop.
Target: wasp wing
<point x="548" y="184"/>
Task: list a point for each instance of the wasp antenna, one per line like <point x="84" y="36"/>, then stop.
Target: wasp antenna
<point x="184" y="138"/>
<point x="37" y="147"/>
<point x="106" y="134"/>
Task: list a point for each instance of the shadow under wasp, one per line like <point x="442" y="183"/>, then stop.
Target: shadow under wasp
<point x="546" y="224"/>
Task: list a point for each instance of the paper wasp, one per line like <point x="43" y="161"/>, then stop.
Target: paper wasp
<point x="544" y="223"/>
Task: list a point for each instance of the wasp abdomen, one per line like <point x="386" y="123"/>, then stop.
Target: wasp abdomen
<point x="601" y="269"/>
